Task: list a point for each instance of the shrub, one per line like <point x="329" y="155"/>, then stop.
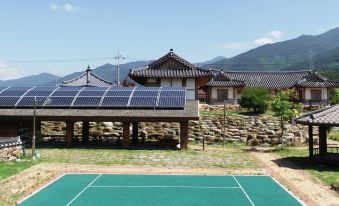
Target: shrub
<point x="256" y="99"/>
<point x="334" y="96"/>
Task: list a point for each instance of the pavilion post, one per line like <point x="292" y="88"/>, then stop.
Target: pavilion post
<point x="310" y="141"/>
<point x="85" y="132"/>
<point x="322" y="140"/>
<point x="69" y="133"/>
<point x="183" y="134"/>
<point x="125" y="134"/>
<point x="135" y="131"/>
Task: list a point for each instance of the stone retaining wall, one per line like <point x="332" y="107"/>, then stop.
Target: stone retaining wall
<point x="253" y="130"/>
<point x="11" y="153"/>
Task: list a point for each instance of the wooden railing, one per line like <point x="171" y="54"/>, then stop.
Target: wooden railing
<point x="330" y="149"/>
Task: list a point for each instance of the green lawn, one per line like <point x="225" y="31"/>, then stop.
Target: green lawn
<point x="10" y="168"/>
<point x="299" y="157"/>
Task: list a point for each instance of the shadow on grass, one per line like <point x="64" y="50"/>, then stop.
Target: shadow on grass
<point x="304" y="163"/>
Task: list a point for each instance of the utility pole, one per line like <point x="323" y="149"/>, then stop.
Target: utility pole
<point x="118" y="57"/>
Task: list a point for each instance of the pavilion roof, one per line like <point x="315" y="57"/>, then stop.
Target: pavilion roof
<point x="328" y="116"/>
<point x="88" y="78"/>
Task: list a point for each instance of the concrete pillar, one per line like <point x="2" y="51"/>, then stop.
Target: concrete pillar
<point x="310" y="140"/>
<point x="38" y="129"/>
<point x="183" y="134"/>
<point x="85" y="132"/>
<point x="135" y="132"/>
<point x="69" y="133"/>
<point x="125" y="134"/>
<point x="322" y="140"/>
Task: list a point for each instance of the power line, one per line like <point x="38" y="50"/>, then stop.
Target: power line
<point x="64" y="60"/>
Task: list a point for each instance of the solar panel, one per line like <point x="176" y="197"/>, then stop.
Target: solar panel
<point x="65" y="93"/>
<point x="93" y="93"/>
<point x="60" y="102"/>
<point x="39" y="93"/>
<point x="115" y="102"/>
<point x="143" y="102"/>
<point x="145" y="93"/>
<point x="87" y="101"/>
<point x="171" y="102"/>
<point x="29" y="102"/>
<point x="94" y="97"/>
<point x="8" y="101"/>
<point x="119" y="93"/>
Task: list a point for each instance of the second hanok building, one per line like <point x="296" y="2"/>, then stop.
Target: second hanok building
<point x="219" y="86"/>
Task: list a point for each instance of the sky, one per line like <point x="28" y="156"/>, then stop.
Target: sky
<point x="61" y="37"/>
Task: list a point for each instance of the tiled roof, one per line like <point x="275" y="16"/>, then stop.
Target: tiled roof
<point x="221" y="79"/>
<point x="271" y="80"/>
<point x="88" y="78"/>
<point x="328" y="116"/>
<point x="170" y="66"/>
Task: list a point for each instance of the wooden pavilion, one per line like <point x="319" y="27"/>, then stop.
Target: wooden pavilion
<point x="323" y="119"/>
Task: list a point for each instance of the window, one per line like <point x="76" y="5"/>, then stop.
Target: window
<point x="222" y="94"/>
<point x="316" y="94"/>
<point x="183" y="82"/>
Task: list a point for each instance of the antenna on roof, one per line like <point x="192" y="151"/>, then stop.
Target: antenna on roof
<point x="118" y="57"/>
<point x="311" y="63"/>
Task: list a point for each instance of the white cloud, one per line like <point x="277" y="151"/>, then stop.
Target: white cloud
<point x="263" y="41"/>
<point x="70" y="8"/>
<point x="235" y="45"/>
<point x="270" y="38"/>
<point x="276" y="34"/>
<point x="67" y="7"/>
<point x="7" y="72"/>
<point x="54" y="7"/>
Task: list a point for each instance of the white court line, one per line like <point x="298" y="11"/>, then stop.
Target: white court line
<point x="83" y="190"/>
<point x="162" y="186"/>
<point x="244" y="191"/>
<point x="45" y="186"/>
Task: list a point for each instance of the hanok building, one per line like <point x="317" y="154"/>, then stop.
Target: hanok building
<point x="172" y="71"/>
<point x="87" y="79"/>
<point x="312" y="87"/>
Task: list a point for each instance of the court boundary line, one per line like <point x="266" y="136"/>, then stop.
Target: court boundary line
<point x="43" y="187"/>
<point x="83" y="190"/>
<point x="289" y="192"/>
<point x="160" y="186"/>
<point x="243" y="190"/>
<point x="179" y="174"/>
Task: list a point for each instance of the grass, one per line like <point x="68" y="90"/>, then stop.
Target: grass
<point x="299" y="157"/>
<point x="11" y="168"/>
<point x="334" y="135"/>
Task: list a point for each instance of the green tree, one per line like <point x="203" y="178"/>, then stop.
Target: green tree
<point x="255" y="98"/>
<point x="334" y="96"/>
<point x="284" y="108"/>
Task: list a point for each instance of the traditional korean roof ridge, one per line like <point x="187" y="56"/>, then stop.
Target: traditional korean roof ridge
<point x="328" y="116"/>
<point x="88" y="78"/>
<point x="221" y="79"/>
<point x="155" y="69"/>
<point x="274" y="79"/>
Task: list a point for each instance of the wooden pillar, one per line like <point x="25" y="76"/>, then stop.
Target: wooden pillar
<point x="135" y="131"/>
<point x="183" y="134"/>
<point x="310" y="141"/>
<point x="85" y="132"/>
<point x="69" y="133"/>
<point x="125" y="134"/>
<point x="322" y="140"/>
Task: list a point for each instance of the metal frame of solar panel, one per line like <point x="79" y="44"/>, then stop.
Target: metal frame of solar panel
<point x="93" y="97"/>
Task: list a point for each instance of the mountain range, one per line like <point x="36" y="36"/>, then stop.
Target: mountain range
<point x="316" y="52"/>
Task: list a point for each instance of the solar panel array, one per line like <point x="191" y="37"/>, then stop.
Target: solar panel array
<point x="93" y="97"/>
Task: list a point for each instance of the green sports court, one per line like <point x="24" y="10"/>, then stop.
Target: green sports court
<point x="166" y="190"/>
